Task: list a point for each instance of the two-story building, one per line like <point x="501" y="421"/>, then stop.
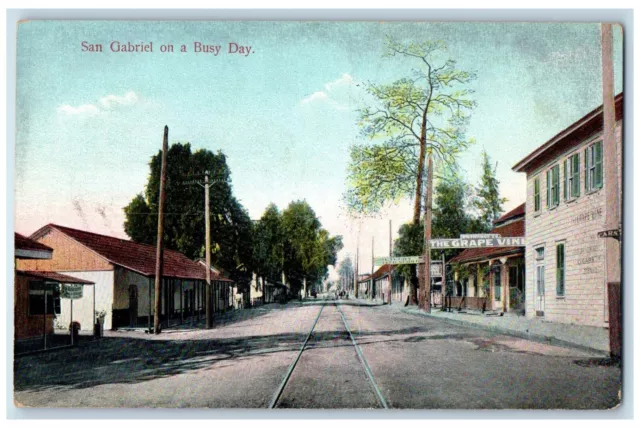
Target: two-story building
<point x="565" y="209"/>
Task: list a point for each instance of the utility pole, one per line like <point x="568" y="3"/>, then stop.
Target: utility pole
<point x="357" y="285"/>
<point x="159" y="240"/>
<point x="612" y="218"/>
<point x="207" y="237"/>
<point x="372" y="278"/>
<point x="390" y="255"/>
<point x="425" y="298"/>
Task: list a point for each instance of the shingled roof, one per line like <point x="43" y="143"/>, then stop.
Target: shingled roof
<point x="516" y="212"/>
<point x="26" y="248"/>
<point x="513" y="229"/>
<point x="134" y="256"/>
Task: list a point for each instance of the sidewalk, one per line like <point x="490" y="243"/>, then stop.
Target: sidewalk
<point x="593" y="339"/>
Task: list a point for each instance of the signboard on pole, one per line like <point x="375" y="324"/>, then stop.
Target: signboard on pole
<point x="438" y="244"/>
<point x="410" y="260"/>
<point x="436" y="269"/>
<point x="613" y="233"/>
<point x="72" y="291"/>
<point x="479" y="236"/>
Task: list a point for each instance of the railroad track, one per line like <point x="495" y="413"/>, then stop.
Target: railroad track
<point x="365" y="366"/>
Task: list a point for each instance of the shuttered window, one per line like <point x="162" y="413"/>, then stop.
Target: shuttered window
<point x="560" y="267"/>
<point x="593" y="167"/>
<point x="536" y="194"/>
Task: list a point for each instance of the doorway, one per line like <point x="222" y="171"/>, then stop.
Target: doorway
<point x="133" y="305"/>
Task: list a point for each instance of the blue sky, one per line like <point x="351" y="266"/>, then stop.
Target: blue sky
<point x="87" y="123"/>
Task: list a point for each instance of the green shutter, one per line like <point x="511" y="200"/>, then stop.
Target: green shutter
<point x="565" y="181"/>
<point x="586" y="169"/>
<point x="548" y="188"/>
<point x="598" y="164"/>
<point x="575" y="172"/>
<point x="560" y="270"/>
<point x="555" y="175"/>
<point x="536" y="194"/>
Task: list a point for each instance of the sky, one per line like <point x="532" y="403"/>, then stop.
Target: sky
<point x="285" y="113"/>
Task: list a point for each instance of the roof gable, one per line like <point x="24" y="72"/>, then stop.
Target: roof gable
<point x="134" y="256"/>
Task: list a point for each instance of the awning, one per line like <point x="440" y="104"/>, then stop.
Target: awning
<point x="54" y="276"/>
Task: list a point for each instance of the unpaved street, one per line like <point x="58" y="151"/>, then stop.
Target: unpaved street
<point x="413" y="362"/>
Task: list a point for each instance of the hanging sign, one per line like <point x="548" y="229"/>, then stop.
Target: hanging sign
<point x="72" y="291"/>
<point x="479" y="235"/>
<point x="613" y="233"/>
<point x="438" y="244"/>
<point x="410" y="260"/>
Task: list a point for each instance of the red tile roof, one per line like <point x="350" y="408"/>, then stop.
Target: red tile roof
<point x="54" y="276"/>
<point x="134" y="256"/>
<point x="24" y="243"/>
<point x="514" y="229"/>
<point x="517" y="211"/>
<point x="379" y="273"/>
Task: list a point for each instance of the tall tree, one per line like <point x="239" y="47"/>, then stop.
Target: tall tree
<point x="308" y="248"/>
<point x="453" y="205"/>
<point x="488" y="201"/>
<point x="418" y="116"/>
<point x="184" y="224"/>
<point x="268" y="248"/>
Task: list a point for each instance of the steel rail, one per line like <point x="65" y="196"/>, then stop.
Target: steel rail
<point x="278" y="393"/>
<point x="367" y="369"/>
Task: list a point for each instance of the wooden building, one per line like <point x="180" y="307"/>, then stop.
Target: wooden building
<point x="36" y="294"/>
<point x="124" y="274"/>
<point x="566" y="208"/>
<point x="492" y="278"/>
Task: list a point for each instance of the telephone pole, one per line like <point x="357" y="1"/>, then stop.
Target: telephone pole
<point x="160" y="241"/>
<point x="390" y="255"/>
<point x="372" y="279"/>
<point x="425" y="298"/>
<point x="207" y="227"/>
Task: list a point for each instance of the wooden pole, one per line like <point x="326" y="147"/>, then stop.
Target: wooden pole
<point x="209" y="297"/>
<point x="610" y="156"/>
<point x="160" y="241"/>
<point x="372" y="265"/>
<point x="72" y="326"/>
<point x="426" y="282"/>
<point x="355" y="292"/>
<point x="44" y="320"/>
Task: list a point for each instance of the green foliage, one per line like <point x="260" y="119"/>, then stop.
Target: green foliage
<point x="410" y="242"/>
<point x="308" y="249"/>
<point x="429" y="108"/>
<point x="452" y="213"/>
<point x="184" y="223"/>
<point x="488" y="201"/>
<point x="268" y="244"/>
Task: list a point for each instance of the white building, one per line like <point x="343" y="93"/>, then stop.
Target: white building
<point x="565" y="209"/>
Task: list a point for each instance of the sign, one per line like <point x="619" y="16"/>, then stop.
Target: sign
<point x="436" y="269"/>
<point x="44" y="286"/>
<point x="72" y="291"/>
<point x="411" y="260"/>
<point x="613" y="233"/>
<point x="480" y="236"/>
<point x="437" y="244"/>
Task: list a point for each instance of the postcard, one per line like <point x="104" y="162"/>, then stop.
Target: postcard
<point x="318" y="215"/>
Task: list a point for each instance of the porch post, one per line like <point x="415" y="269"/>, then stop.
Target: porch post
<point x="181" y="301"/>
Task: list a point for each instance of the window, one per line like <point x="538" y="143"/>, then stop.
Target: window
<point x="36" y="298"/>
<point x="593" y="167"/>
<point x="560" y="270"/>
<point x="536" y="194"/>
<point x="571" y="182"/>
<point x="540" y="253"/>
<point x="553" y="186"/>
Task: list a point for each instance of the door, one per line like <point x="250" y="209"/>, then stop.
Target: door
<point x="539" y="291"/>
<point x="133" y="305"/>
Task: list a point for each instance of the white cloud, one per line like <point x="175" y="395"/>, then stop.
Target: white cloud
<point x="316" y="96"/>
<point x="111" y="101"/>
<point x="108" y="102"/>
<point x="332" y="93"/>
<point x="88" y="109"/>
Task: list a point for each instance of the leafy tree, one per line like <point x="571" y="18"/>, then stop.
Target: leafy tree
<point x="308" y="249"/>
<point x="488" y="201"/>
<point x="184" y="224"/>
<point x="452" y="211"/>
<point x="423" y="114"/>
<point x="268" y="248"/>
